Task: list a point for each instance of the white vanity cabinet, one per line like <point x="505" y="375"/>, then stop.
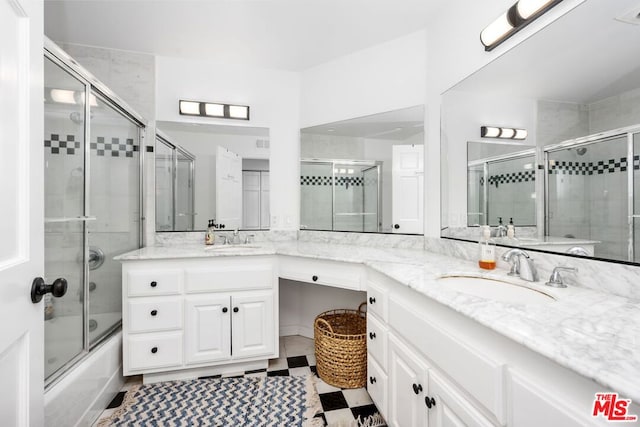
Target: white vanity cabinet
<point x="441" y="368"/>
<point x="188" y="315"/>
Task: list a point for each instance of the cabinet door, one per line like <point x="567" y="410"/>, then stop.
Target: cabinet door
<point x="207" y="328"/>
<point x="253" y="329"/>
<point x="407" y="386"/>
<point x="448" y="407"/>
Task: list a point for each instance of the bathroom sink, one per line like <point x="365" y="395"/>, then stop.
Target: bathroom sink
<point x="495" y="290"/>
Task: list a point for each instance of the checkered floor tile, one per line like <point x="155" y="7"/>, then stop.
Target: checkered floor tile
<point x="340" y="406"/>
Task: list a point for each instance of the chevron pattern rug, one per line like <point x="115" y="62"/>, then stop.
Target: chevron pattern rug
<point x="238" y="402"/>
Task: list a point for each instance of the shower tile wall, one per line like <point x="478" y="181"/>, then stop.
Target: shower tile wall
<point x="316" y="196"/>
<point x="511" y="188"/>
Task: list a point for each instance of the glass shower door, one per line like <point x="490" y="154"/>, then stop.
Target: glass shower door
<point x="316" y="194"/>
<point x="184" y="196"/>
<point x="635" y="243"/>
<point x="115" y="203"/>
<point x="164" y="186"/>
<point x="64" y="164"/>
<point x="371" y="190"/>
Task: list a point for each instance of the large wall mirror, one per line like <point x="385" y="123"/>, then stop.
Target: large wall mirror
<point x="365" y="174"/>
<point x="573" y="185"/>
<point x="211" y="172"/>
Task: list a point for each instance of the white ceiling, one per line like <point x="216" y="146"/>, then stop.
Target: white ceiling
<point x="282" y="34"/>
<point x="392" y="125"/>
<point x="585" y="56"/>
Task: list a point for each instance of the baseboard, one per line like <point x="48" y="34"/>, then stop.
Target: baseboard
<point x="304" y="331"/>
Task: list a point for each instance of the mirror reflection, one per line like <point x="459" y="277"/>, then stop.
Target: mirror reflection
<point x="364" y="174"/>
<point x="573" y="185"/>
<point x="211" y="173"/>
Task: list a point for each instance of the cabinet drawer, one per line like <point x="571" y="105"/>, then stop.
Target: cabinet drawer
<point x="237" y="277"/>
<point x="377" y="302"/>
<point x="154" y="314"/>
<point x="150" y="351"/>
<point x="377" y="385"/>
<point x="377" y="340"/>
<point x="330" y="273"/>
<point x="481" y="376"/>
<point x="156" y="282"/>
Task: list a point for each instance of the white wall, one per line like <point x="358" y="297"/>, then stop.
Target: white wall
<point x="386" y="77"/>
<point x="274" y="100"/>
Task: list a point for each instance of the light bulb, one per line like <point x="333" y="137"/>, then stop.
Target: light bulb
<point x="496" y="30"/>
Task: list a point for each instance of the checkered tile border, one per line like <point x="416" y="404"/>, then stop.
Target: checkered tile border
<point x="509" y="178"/>
<point x="340" y="180"/>
<point x="113" y="148"/>
<point x="593" y="168"/>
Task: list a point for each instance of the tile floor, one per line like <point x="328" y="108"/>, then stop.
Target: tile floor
<point x="340" y="406"/>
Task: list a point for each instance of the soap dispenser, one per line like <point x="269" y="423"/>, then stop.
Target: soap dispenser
<point x="486" y="250"/>
<point x="209" y="237"/>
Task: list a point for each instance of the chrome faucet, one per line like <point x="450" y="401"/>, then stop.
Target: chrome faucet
<point x="235" y="240"/>
<point x="556" y="280"/>
<point x="521" y="264"/>
<point x="249" y="238"/>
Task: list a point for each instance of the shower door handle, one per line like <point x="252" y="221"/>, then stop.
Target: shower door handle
<point x="38" y="288"/>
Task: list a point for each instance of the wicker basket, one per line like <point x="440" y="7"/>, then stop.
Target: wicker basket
<point x="341" y="347"/>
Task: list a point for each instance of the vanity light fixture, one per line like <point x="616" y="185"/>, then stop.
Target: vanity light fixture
<point x="503" y="133"/>
<point x="513" y="20"/>
<point x="213" y="109"/>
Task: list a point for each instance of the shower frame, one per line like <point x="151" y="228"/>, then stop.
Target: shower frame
<point x="91" y="84"/>
<point x="349" y="162"/>
<point x="628" y="132"/>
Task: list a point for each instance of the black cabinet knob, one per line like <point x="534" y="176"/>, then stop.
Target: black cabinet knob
<point x="225" y="309"/>
<point x="372" y="300"/>
<point x="154" y="312"/>
<point x="236" y="309"/>
<point x="154" y="350"/>
<point x="429" y="401"/>
<point x="154" y="284"/>
<point x="38" y="289"/>
<point x="372" y="380"/>
<point x="417" y="388"/>
<point x="314" y="278"/>
<point x="396" y="226"/>
<point x="372" y="335"/>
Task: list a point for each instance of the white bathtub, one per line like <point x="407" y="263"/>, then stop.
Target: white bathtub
<point x="79" y="397"/>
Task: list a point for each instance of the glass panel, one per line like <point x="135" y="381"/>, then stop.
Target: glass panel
<point x="184" y="193"/>
<point x="164" y="187"/>
<point x="587" y="196"/>
<point x="475" y="195"/>
<point x="115" y="202"/>
<point x="316" y="195"/>
<point x="511" y="192"/>
<point x="636" y="197"/>
<point x="64" y="203"/>
<point x="371" y="189"/>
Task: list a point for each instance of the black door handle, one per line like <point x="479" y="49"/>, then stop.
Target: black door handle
<point x="153" y="284"/>
<point x="236" y="309"/>
<point x="417" y="388"/>
<point x="314" y="278"/>
<point x="225" y="309"/>
<point x="372" y="335"/>
<point x="396" y="226"/>
<point x="372" y="300"/>
<point x="154" y="350"/>
<point x="372" y="380"/>
<point x="38" y="288"/>
<point x="429" y="401"/>
<point x="154" y="312"/>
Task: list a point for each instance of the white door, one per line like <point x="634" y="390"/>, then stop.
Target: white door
<point x="407" y="387"/>
<point x="253" y="330"/>
<point x="407" y="189"/>
<point x="22" y="218"/>
<point x="207" y="334"/>
<point x="228" y="188"/>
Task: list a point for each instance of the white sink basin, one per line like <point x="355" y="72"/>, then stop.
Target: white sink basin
<point x="495" y="290"/>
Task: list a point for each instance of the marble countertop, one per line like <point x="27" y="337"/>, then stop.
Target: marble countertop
<point x="593" y="333"/>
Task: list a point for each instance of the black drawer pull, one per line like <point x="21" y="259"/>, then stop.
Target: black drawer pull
<point x="225" y="309"/>
<point x="372" y="335"/>
<point x="372" y="380"/>
<point x="429" y="401"/>
<point x="236" y="309"/>
<point x="154" y="312"/>
<point x="417" y="388"/>
<point x="372" y="300"/>
<point x="154" y="284"/>
<point x="154" y="350"/>
<point x="314" y="278"/>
